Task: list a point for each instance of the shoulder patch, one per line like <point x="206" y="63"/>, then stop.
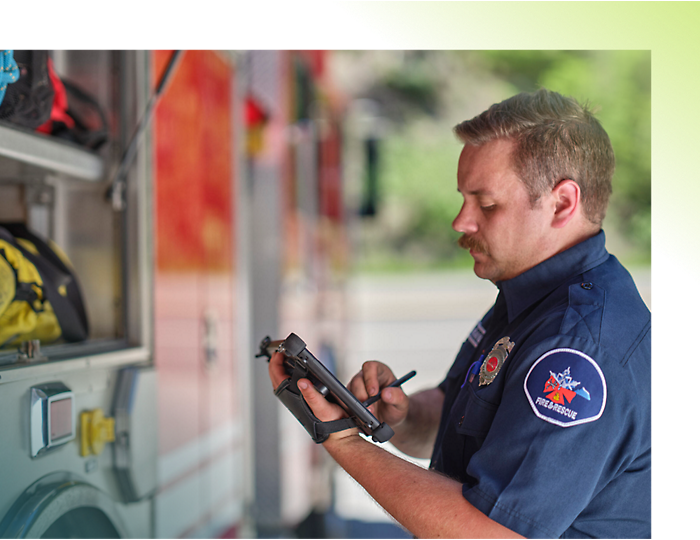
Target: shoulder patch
<point x="566" y="387"/>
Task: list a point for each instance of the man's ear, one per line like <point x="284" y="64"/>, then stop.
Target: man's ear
<point x="567" y="199"/>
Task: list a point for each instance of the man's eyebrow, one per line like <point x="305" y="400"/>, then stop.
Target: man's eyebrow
<point x="477" y="192"/>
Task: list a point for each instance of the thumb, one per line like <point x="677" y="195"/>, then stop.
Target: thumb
<point x="319" y="405"/>
<point x="395" y="398"/>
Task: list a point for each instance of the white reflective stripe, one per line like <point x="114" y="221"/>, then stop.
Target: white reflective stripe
<point x="575" y="422"/>
<point x="203" y="505"/>
<point x="477" y="334"/>
<point x="180" y="461"/>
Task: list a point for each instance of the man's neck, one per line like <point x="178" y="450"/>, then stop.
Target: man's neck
<point x="559" y="245"/>
<point x="577" y="238"/>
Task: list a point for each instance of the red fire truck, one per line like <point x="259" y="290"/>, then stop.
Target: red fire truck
<point x="192" y="235"/>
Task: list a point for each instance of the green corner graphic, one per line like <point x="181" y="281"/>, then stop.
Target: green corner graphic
<point x="664" y="28"/>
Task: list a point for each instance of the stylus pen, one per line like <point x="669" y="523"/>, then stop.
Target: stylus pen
<point x="397" y="382"/>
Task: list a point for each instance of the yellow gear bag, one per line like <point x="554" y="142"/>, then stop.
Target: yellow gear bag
<point x="39" y="294"/>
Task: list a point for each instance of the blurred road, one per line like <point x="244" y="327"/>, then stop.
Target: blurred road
<point x="414" y="322"/>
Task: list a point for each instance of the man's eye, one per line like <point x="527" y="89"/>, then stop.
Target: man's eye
<point x="488" y="208"/>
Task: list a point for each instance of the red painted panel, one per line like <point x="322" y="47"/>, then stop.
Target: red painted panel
<point x="194" y="164"/>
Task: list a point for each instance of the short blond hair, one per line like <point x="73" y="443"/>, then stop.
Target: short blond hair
<point x="556" y="138"/>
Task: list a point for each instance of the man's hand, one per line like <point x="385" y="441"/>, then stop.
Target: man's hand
<point x="373" y="378"/>
<point x="319" y="405"/>
<point x="415" y="420"/>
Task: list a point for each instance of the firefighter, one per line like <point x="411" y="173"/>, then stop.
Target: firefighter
<point x="542" y="426"/>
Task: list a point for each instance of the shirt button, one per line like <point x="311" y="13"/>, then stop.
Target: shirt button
<point x="588" y="286"/>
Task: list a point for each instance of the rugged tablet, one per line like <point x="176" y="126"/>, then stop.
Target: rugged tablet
<point x="300" y="363"/>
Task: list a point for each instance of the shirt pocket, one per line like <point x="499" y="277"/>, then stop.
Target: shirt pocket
<point x="477" y="416"/>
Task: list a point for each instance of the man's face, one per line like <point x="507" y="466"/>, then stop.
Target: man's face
<point x="502" y="231"/>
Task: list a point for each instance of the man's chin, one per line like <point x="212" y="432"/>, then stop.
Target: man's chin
<point x="483" y="271"/>
<point x="479" y="270"/>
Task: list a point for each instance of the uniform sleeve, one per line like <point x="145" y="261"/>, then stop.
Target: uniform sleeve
<point x="565" y="426"/>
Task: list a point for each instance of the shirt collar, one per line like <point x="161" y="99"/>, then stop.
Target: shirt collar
<point x="524" y="290"/>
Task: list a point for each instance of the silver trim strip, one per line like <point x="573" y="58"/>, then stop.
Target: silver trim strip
<point x="50" y="154"/>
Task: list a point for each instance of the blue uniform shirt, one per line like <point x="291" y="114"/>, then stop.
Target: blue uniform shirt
<point x="558" y="444"/>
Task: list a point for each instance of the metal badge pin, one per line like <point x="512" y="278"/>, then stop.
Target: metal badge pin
<point x="494" y="361"/>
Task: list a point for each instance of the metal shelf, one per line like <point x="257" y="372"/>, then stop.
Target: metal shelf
<point x="50" y="153"/>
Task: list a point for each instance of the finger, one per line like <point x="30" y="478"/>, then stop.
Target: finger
<point x="376" y="376"/>
<point x="276" y="369"/>
<point x="357" y="387"/>
<point x="370" y="377"/>
<point x="320" y="406"/>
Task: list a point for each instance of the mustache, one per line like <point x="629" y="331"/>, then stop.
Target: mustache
<point x="469" y="242"/>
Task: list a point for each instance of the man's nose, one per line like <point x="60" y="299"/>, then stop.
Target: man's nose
<point x="465" y="221"/>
